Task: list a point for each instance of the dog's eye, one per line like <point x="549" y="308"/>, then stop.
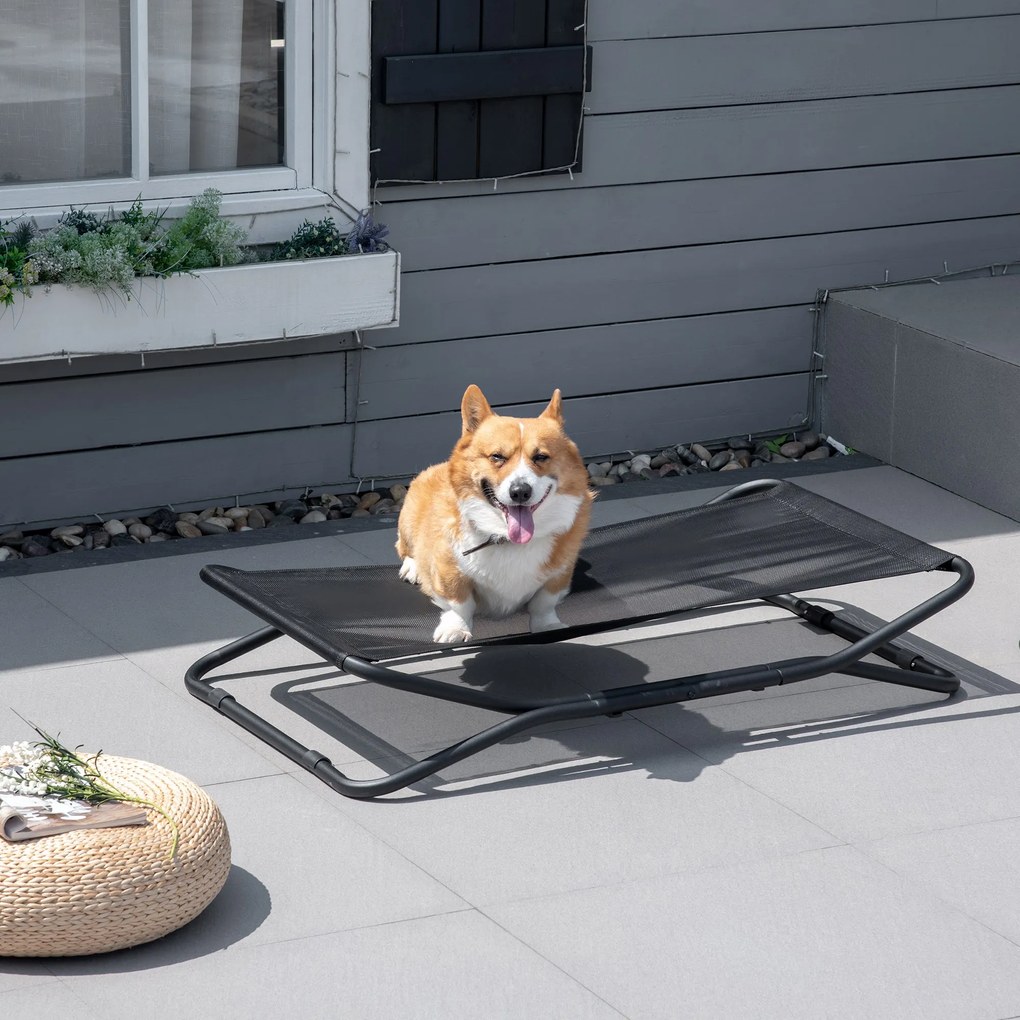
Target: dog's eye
<point x="497" y="458"/>
<point x="540" y="458"/>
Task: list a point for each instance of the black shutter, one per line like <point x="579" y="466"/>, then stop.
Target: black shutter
<point x="464" y="89"/>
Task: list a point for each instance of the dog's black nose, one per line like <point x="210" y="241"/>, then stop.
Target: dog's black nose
<point x="520" y="492"/>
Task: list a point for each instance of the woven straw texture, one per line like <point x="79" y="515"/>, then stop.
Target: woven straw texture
<point x="97" y="890"/>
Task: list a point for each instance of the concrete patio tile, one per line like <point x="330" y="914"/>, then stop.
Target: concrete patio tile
<point x="911" y="504"/>
<point x="863" y="774"/>
<point x="825" y="934"/>
<point x="17" y="974"/>
<point x="975" y="868"/>
<point x="300" y="868"/>
<point x="114" y="707"/>
<point x="582" y="807"/>
<point x="457" y="966"/>
<point x="37" y="633"/>
<point x="159" y="613"/>
<point x="51" y="999"/>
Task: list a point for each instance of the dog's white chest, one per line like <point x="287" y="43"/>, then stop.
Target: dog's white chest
<point x="506" y="576"/>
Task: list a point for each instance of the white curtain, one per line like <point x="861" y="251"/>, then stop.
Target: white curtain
<point x="194" y="84"/>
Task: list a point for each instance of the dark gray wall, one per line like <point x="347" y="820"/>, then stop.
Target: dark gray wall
<point x="737" y="157"/>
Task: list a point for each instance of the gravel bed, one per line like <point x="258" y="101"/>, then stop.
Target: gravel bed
<point x="166" y="525"/>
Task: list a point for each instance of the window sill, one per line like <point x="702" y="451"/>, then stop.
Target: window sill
<point x="210" y="308"/>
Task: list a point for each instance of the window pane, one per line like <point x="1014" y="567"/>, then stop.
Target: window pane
<point x="215" y="84"/>
<point x="65" y="105"/>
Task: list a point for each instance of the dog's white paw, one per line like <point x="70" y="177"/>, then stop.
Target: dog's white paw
<point x="452" y="629"/>
<point x="549" y="621"/>
<point x="409" y="571"/>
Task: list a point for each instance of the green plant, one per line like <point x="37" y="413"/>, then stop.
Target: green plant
<point x="100" y="260"/>
<point x="17" y="273"/>
<point x="312" y="241"/>
<point x="200" y="239"/>
<point x="776" y="442"/>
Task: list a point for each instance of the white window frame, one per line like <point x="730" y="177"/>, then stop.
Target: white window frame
<point x="334" y="86"/>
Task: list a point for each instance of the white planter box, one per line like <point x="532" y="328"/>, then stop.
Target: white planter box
<point x="210" y="308"/>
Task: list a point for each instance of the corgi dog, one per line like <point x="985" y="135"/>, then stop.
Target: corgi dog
<point x="499" y="525"/>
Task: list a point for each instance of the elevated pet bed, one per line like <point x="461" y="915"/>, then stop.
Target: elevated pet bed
<point x="759" y="541"/>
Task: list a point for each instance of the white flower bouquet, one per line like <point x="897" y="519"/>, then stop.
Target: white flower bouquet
<point x="48" y="768"/>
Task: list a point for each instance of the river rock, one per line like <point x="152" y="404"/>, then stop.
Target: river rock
<point x="292" y="508"/>
<point x="602" y="480"/>
<point x="71" y="541"/>
<point x="158" y="536"/>
<point x="140" y="531"/>
<point x="596" y="470"/>
<point x="793" y="450"/>
<point x="236" y="513"/>
<point x="701" y="452"/>
<point x="188" y="517"/>
<point x="720" y="460"/>
<point x="731" y="466"/>
<point x="809" y="439"/>
<point x="738" y="443"/>
<point x="398" y="492"/>
<point x="14" y="538"/>
<point x="281" y="521"/>
<point x="210" y="511"/>
<point x="214" y="526"/>
<point x="161" y="520"/>
<point x="123" y="539"/>
<point x="313" y="517"/>
<point x="67" y="529"/>
<point x="818" y="453"/>
<point x="114" y="527"/>
<point x="187" y="530"/>
<point x="368" y="500"/>
<point x="255" y="518"/>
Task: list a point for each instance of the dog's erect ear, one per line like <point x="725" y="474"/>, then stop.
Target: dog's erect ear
<point x="555" y="409"/>
<point x="474" y="408"/>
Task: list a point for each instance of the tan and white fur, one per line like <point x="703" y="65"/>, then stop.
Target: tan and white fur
<point x="518" y="488"/>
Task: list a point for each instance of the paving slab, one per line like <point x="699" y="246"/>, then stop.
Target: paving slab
<point x="581" y="807"/>
<point x="459" y="966"/>
<point x="828" y="934"/>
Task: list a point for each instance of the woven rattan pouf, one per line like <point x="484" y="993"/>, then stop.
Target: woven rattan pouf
<point x="97" y="890"/>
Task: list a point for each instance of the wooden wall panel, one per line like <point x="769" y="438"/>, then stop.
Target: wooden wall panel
<point x="651" y="19"/>
<point x="519" y="369"/>
<point x="147" y="407"/>
<point x="525" y="296"/>
<point x="605" y="424"/>
<point x="720" y="70"/>
<point x="508" y="228"/>
<point x="200" y="471"/>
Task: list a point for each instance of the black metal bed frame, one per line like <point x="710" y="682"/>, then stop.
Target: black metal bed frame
<point x="907" y="669"/>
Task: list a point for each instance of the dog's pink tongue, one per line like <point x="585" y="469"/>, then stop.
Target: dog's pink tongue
<point x="520" y="524"/>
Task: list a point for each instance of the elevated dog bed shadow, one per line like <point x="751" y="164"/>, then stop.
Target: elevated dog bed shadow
<point x="763" y="540"/>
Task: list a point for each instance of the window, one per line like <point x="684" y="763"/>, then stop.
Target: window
<point x="102" y="101"/>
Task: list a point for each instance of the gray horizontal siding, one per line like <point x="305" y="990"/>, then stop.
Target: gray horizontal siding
<point x="426" y="378"/>
<point x="525" y="296"/>
<point x="62" y="368"/>
<point x="207" y="471"/>
<point x="660" y="74"/>
<point x="510" y="228"/>
<point x="604" y="424"/>
<point x="142" y="407"/>
<point x="647" y="19"/>
<point x="730" y="141"/>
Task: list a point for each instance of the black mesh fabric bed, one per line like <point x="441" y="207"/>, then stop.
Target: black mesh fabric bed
<point x="762" y="540"/>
